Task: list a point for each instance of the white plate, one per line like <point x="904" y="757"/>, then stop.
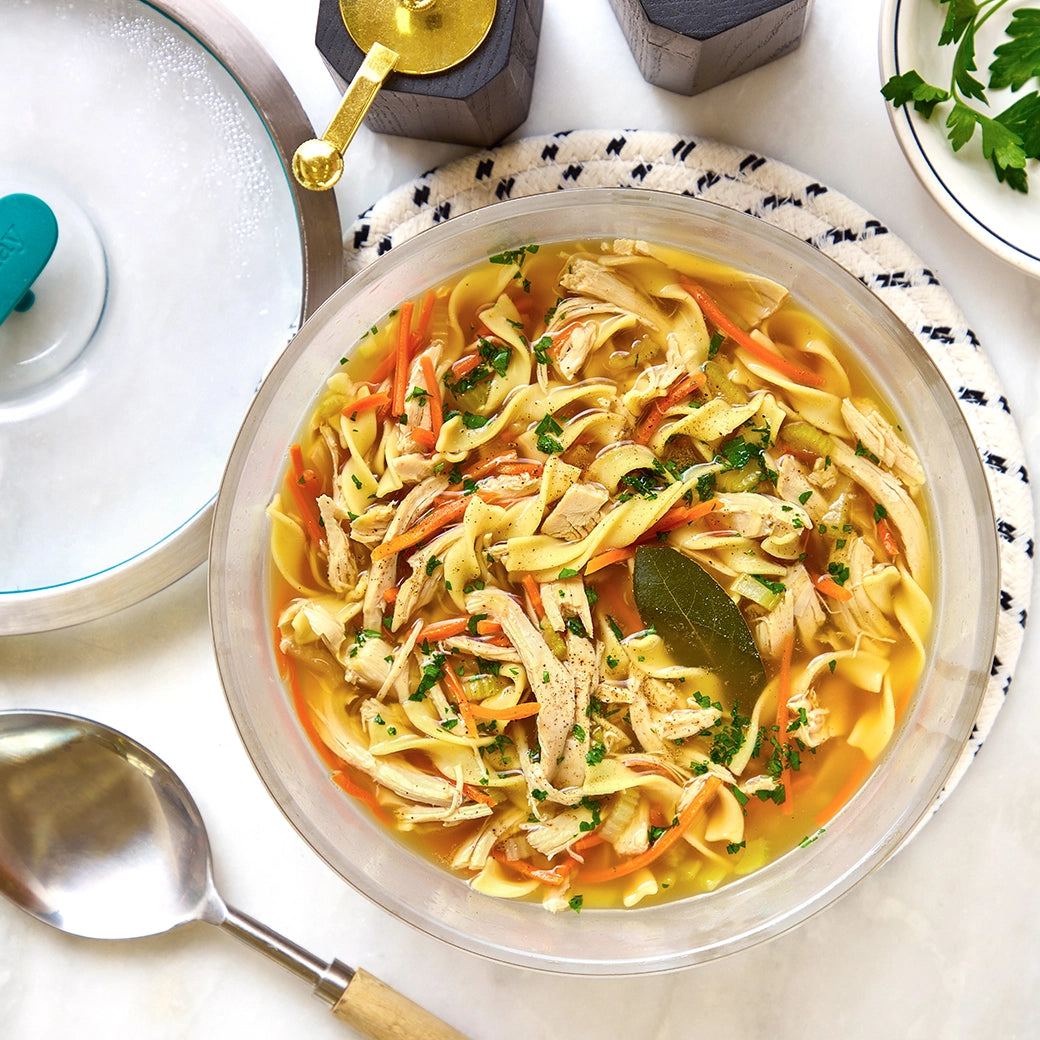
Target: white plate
<point x="963" y="183"/>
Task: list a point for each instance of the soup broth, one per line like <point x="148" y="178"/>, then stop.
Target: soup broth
<point x="601" y="574"/>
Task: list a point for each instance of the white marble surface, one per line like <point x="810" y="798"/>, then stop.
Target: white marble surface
<point x="940" y="942"/>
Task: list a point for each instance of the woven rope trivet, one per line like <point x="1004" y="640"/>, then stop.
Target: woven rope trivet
<point x="776" y="193"/>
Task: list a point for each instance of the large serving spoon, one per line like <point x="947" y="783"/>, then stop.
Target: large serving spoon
<point x="100" y="838"/>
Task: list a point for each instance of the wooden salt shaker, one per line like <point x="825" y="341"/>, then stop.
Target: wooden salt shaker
<point x="687" y="46"/>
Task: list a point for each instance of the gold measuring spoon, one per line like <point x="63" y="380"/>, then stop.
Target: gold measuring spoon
<point x="100" y="838"/>
<point x="416" y="37"/>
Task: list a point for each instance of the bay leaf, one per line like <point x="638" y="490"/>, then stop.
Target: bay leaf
<point x="699" y="623"/>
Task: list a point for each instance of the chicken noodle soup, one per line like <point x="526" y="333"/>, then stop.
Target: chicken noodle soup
<point x="601" y="574"/>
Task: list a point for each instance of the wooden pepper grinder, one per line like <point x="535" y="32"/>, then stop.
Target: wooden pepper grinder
<point x="442" y="70"/>
<point x="687" y="46"/>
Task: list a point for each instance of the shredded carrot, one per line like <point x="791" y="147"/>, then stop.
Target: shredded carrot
<point x="829" y="587"/>
<point x="296" y="458"/>
<point x="402" y="356"/>
<point x="422" y="326"/>
<point x="457" y="627"/>
<point x="390" y="594"/>
<point x="522" y="466"/>
<point x="605" y="559"/>
<point x="389" y="360"/>
<point x="436" y="402"/>
<point x="305" y="486"/>
<point x="364" y="404"/>
<point x="663" y="405"/>
<point x="443" y="629"/>
<point x="847" y="790"/>
<point x="556" y="876"/>
<point x="432" y="522"/>
<point x="458" y="694"/>
<point x="303" y="712"/>
<point x="483" y="467"/>
<point x="783" y="715"/>
<point x="305" y="505"/>
<point x="497" y="641"/>
<point x="534" y="594"/>
<point x="587" y="841"/>
<point x="518" y="711"/>
<point x="678" y="516"/>
<point x="887" y="537"/>
<point x="343" y="780"/>
<point x="561" y="337"/>
<point x="767" y="356"/>
<point x="475" y="794"/>
<point x="426" y="439"/>
<point x="465" y="365"/>
<point x="658" y="817"/>
<point x="709" y="786"/>
<point x="383" y="369"/>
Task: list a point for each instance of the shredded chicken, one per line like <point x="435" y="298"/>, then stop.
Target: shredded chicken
<point x="550" y="679"/>
<point x="381" y="572"/>
<point x="577" y="512"/>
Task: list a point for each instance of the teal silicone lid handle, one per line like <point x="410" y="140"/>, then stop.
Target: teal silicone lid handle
<point x="28" y="234"/>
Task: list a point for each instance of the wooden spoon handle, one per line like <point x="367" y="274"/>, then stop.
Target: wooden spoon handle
<point x="379" y="1012"/>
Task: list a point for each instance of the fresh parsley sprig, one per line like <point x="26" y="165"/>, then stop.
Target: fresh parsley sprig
<point x="1010" y="137"/>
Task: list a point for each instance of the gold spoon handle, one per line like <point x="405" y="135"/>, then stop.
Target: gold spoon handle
<point x="318" y="163"/>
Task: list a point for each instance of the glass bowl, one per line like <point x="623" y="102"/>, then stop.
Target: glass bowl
<point x="898" y="795"/>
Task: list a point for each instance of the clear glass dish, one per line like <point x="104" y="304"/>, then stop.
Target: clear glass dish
<point x="898" y="795"/>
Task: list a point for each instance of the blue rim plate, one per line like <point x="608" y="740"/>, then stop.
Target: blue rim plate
<point x="963" y="184"/>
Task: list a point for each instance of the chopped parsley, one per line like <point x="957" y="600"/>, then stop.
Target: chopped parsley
<point x="596" y="753"/>
<point x="547" y="430"/>
<point x="513" y="256"/>
<point x="866" y="453"/>
<point x="576" y="626"/>
<point x="838" y="571"/>
<point x="541" y="350"/>
<point x="706" y="486"/>
<point x="642" y="483"/>
<point x="432" y="673"/>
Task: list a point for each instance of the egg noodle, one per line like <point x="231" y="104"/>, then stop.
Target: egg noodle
<point x="454" y="551"/>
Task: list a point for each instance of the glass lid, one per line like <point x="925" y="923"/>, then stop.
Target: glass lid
<point x="159" y="136"/>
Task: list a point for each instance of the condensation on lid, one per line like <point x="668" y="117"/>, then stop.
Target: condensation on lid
<point x="159" y="135"/>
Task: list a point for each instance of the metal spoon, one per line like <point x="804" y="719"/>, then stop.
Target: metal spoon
<point x="100" y="838"/>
